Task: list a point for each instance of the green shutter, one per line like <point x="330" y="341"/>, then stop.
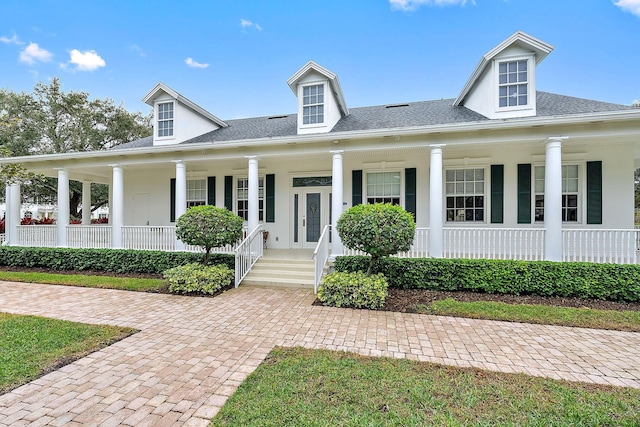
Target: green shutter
<point x="524" y="193"/>
<point x="497" y="194"/>
<point x="211" y="190"/>
<point x="270" y="197"/>
<point x="410" y="191"/>
<point x="594" y="192"/>
<point x="228" y="192"/>
<point x="356" y="186"/>
<point x="172" y="192"/>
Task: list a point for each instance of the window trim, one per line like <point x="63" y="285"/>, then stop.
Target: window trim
<point x="486" y="206"/>
<point x="581" y="193"/>
<point x="157" y="120"/>
<point x="530" y="82"/>
<point x="262" y="212"/>
<point x="365" y="187"/>
<point x="197" y="201"/>
<point x="317" y="104"/>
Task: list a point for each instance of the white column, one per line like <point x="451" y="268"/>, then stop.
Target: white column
<point x="12" y="215"/>
<point x="116" y="207"/>
<point x="7" y="215"/>
<point x="86" y="203"/>
<point x="436" y="232"/>
<point x="553" y="200"/>
<point x="336" y="202"/>
<point x="63" y="207"/>
<point x="253" y="196"/>
<point x="181" y="196"/>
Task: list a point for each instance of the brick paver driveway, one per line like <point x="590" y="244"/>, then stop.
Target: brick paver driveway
<point x="192" y="353"/>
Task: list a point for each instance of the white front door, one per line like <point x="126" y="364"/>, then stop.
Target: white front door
<point x="311" y="213"/>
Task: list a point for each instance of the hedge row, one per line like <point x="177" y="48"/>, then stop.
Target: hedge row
<point x="112" y="260"/>
<point x="613" y="282"/>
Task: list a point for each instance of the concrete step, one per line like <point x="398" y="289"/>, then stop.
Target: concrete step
<point x="282" y="273"/>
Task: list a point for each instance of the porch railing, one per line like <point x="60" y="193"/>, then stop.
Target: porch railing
<point x="88" y="236"/>
<point x="247" y="253"/>
<point x="321" y="255"/>
<point x="494" y="243"/>
<point x="156" y="238"/>
<point x="612" y="246"/>
<point x="37" y="235"/>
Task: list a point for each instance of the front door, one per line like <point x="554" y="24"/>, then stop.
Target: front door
<point x="311" y="213"/>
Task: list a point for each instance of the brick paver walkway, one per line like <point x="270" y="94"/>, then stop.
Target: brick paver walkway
<point x="192" y="353"/>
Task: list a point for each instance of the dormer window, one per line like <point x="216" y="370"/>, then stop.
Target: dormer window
<point x="513" y="81"/>
<point x="313" y="104"/>
<point x="165" y="119"/>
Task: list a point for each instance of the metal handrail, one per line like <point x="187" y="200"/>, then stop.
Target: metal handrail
<point x="321" y="255"/>
<point x="247" y="253"/>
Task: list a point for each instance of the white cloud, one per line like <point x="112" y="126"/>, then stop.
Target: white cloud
<point x="409" y="5"/>
<point x="137" y="49"/>
<point x="11" y="40"/>
<point x="632" y="6"/>
<point x="88" y="60"/>
<point x="34" y="53"/>
<point x="245" y="23"/>
<point x="194" y="64"/>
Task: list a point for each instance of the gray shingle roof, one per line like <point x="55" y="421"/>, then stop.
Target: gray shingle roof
<point x="410" y="114"/>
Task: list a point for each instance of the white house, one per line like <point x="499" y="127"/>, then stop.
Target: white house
<point x="503" y="170"/>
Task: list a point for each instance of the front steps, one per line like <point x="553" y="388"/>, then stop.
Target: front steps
<point x="281" y="272"/>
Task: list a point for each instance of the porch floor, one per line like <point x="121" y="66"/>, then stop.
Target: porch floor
<point x="192" y="353"/>
<point x="303" y="254"/>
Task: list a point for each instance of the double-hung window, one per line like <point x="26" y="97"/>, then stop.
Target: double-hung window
<point x="513" y="80"/>
<point x="196" y="192"/>
<point x="242" y="198"/>
<point x="383" y="187"/>
<point x="570" y="193"/>
<point x="165" y="119"/>
<point x="313" y="104"/>
<point x="465" y="194"/>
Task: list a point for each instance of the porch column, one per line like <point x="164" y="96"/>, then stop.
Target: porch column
<point x="12" y="218"/>
<point x="253" y="196"/>
<point x="553" y="199"/>
<point x="86" y="203"/>
<point x="7" y="216"/>
<point x="336" y="202"/>
<point x="436" y="232"/>
<point x="62" y="220"/>
<point x="181" y="195"/>
<point x="117" y="207"/>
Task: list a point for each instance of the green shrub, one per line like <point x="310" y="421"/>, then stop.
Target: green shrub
<point x="198" y="278"/>
<point x="111" y="260"/>
<point x="353" y="290"/>
<point x="613" y="282"/>
<point x="379" y="229"/>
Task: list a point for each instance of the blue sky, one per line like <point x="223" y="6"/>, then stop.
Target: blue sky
<point x="233" y="57"/>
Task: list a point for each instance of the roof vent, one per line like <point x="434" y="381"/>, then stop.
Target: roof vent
<point x="396" y="105"/>
<point x="277" y="117"/>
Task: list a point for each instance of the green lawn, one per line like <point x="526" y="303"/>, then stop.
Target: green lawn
<point x="531" y="313"/>
<point x="323" y="388"/>
<point x="31" y="346"/>
<point x="108" y="282"/>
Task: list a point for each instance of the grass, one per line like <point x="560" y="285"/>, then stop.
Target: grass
<point x="296" y="386"/>
<point x="31" y="346"/>
<point x="107" y="282"/>
<point x="533" y="313"/>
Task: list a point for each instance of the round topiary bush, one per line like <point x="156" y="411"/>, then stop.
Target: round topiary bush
<point x="198" y="278"/>
<point x="380" y="229"/>
<point x="357" y="290"/>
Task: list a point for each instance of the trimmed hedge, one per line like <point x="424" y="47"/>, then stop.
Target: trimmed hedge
<point x="613" y="282"/>
<point x="198" y="278"/>
<point x="112" y="260"/>
<point x="353" y="290"/>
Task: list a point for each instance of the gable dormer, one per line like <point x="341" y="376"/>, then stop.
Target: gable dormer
<point x="320" y="100"/>
<point x="176" y="118"/>
<point x="503" y="85"/>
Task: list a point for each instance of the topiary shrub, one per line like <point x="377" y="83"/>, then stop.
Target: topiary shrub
<point x="209" y="227"/>
<point x="357" y="290"/>
<point x="198" y="278"/>
<point x="380" y="229"/>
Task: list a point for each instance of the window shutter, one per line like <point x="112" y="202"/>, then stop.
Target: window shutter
<point x="410" y="191"/>
<point x="172" y="192"/>
<point x="356" y="187"/>
<point x="211" y="190"/>
<point x="270" y="197"/>
<point x="594" y="192"/>
<point x="497" y="194"/>
<point x="524" y="193"/>
<point x="228" y="192"/>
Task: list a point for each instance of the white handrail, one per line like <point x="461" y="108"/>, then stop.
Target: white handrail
<point x="321" y="255"/>
<point x="247" y="253"/>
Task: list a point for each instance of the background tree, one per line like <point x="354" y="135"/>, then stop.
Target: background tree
<point x="380" y="229"/>
<point x="50" y="120"/>
<point x="209" y="227"/>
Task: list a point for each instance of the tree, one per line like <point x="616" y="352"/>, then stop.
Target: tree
<point x="380" y="229"/>
<point x="50" y="120"/>
<point x="209" y="227"/>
